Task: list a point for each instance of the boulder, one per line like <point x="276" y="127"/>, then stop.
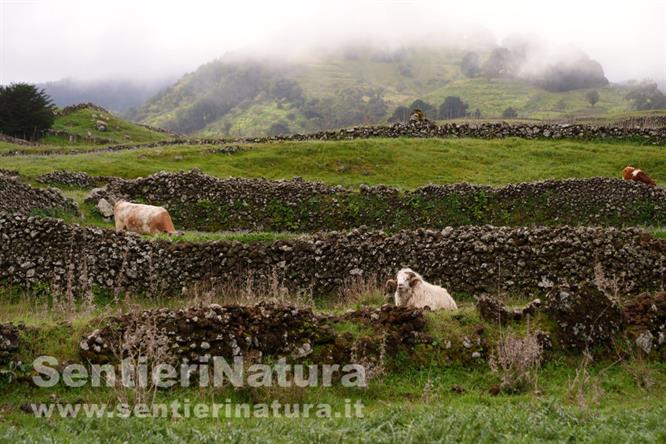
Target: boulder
<point x="105" y="208"/>
<point x="585" y="316"/>
<point x="646" y="320"/>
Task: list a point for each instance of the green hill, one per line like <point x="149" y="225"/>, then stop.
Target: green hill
<point x="81" y="124"/>
<point x="228" y="97"/>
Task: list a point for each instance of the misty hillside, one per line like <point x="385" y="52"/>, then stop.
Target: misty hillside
<point x="363" y="86"/>
<point x="119" y="96"/>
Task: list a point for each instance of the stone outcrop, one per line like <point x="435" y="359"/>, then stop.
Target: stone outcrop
<point x="79" y="106"/>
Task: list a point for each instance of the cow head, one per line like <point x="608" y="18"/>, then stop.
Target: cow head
<point x="628" y="171"/>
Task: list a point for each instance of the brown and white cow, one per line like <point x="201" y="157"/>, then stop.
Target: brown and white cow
<point x="631" y="173"/>
<point x="143" y="219"/>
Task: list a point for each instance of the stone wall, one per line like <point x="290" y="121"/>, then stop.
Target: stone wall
<point x="15" y="140"/>
<point x="473" y="260"/>
<point x="426" y="129"/>
<point x="10" y="173"/>
<point x="73" y="179"/>
<point x="202" y="202"/>
<point x="17" y="197"/>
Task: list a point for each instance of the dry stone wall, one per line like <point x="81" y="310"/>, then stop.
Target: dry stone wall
<point x="473" y="259"/>
<point x="17" y="197"/>
<point x="425" y="129"/>
<point x="263" y="330"/>
<point x="73" y="179"/>
<point x="202" y="202"/>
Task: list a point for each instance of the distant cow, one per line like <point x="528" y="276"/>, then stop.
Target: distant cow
<point x="143" y="219"/>
<point x="631" y="173"/>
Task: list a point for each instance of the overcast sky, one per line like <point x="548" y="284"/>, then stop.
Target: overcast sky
<point x="44" y="40"/>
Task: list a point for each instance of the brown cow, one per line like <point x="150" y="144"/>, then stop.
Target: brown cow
<point x="143" y="219"/>
<point x="631" y="173"/>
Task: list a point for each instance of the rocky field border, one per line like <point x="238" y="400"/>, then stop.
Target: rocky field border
<point x="18" y="197"/>
<point x="420" y="129"/>
<point x="471" y="259"/>
<point x="202" y="202"/>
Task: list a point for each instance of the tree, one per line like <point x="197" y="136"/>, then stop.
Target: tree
<point x="477" y="114"/>
<point x="25" y="111"/>
<point x="592" y="97"/>
<point x="646" y="96"/>
<point x="567" y="76"/>
<point x="501" y="63"/>
<point x="510" y="113"/>
<point x="470" y="65"/>
<point x="401" y="114"/>
<point x="278" y="129"/>
<point x="288" y="90"/>
<point x="202" y="113"/>
<point x="452" y="108"/>
<point x="429" y="110"/>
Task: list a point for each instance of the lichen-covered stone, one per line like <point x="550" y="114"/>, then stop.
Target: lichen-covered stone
<point x="586" y="318"/>
<point x="646" y="320"/>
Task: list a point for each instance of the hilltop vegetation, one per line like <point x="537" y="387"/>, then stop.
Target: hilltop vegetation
<point x="242" y="98"/>
<point x="82" y="125"/>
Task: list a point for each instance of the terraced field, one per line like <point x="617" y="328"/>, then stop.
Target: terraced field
<point x="432" y="376"/>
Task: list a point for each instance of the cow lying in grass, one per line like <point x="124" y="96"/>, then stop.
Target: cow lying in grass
<point x="142" y="219"/>
<point x="411" y="290"/>
<point x="631" y="173"/>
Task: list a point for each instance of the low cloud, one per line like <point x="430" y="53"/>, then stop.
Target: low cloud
<point x="48" y="40"/>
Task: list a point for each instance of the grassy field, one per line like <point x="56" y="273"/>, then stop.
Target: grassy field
<point x="397" y="414"/>
<point x="492" y="97"/>
<point x="405" y="163"/>
<point x="425" y="399"/>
